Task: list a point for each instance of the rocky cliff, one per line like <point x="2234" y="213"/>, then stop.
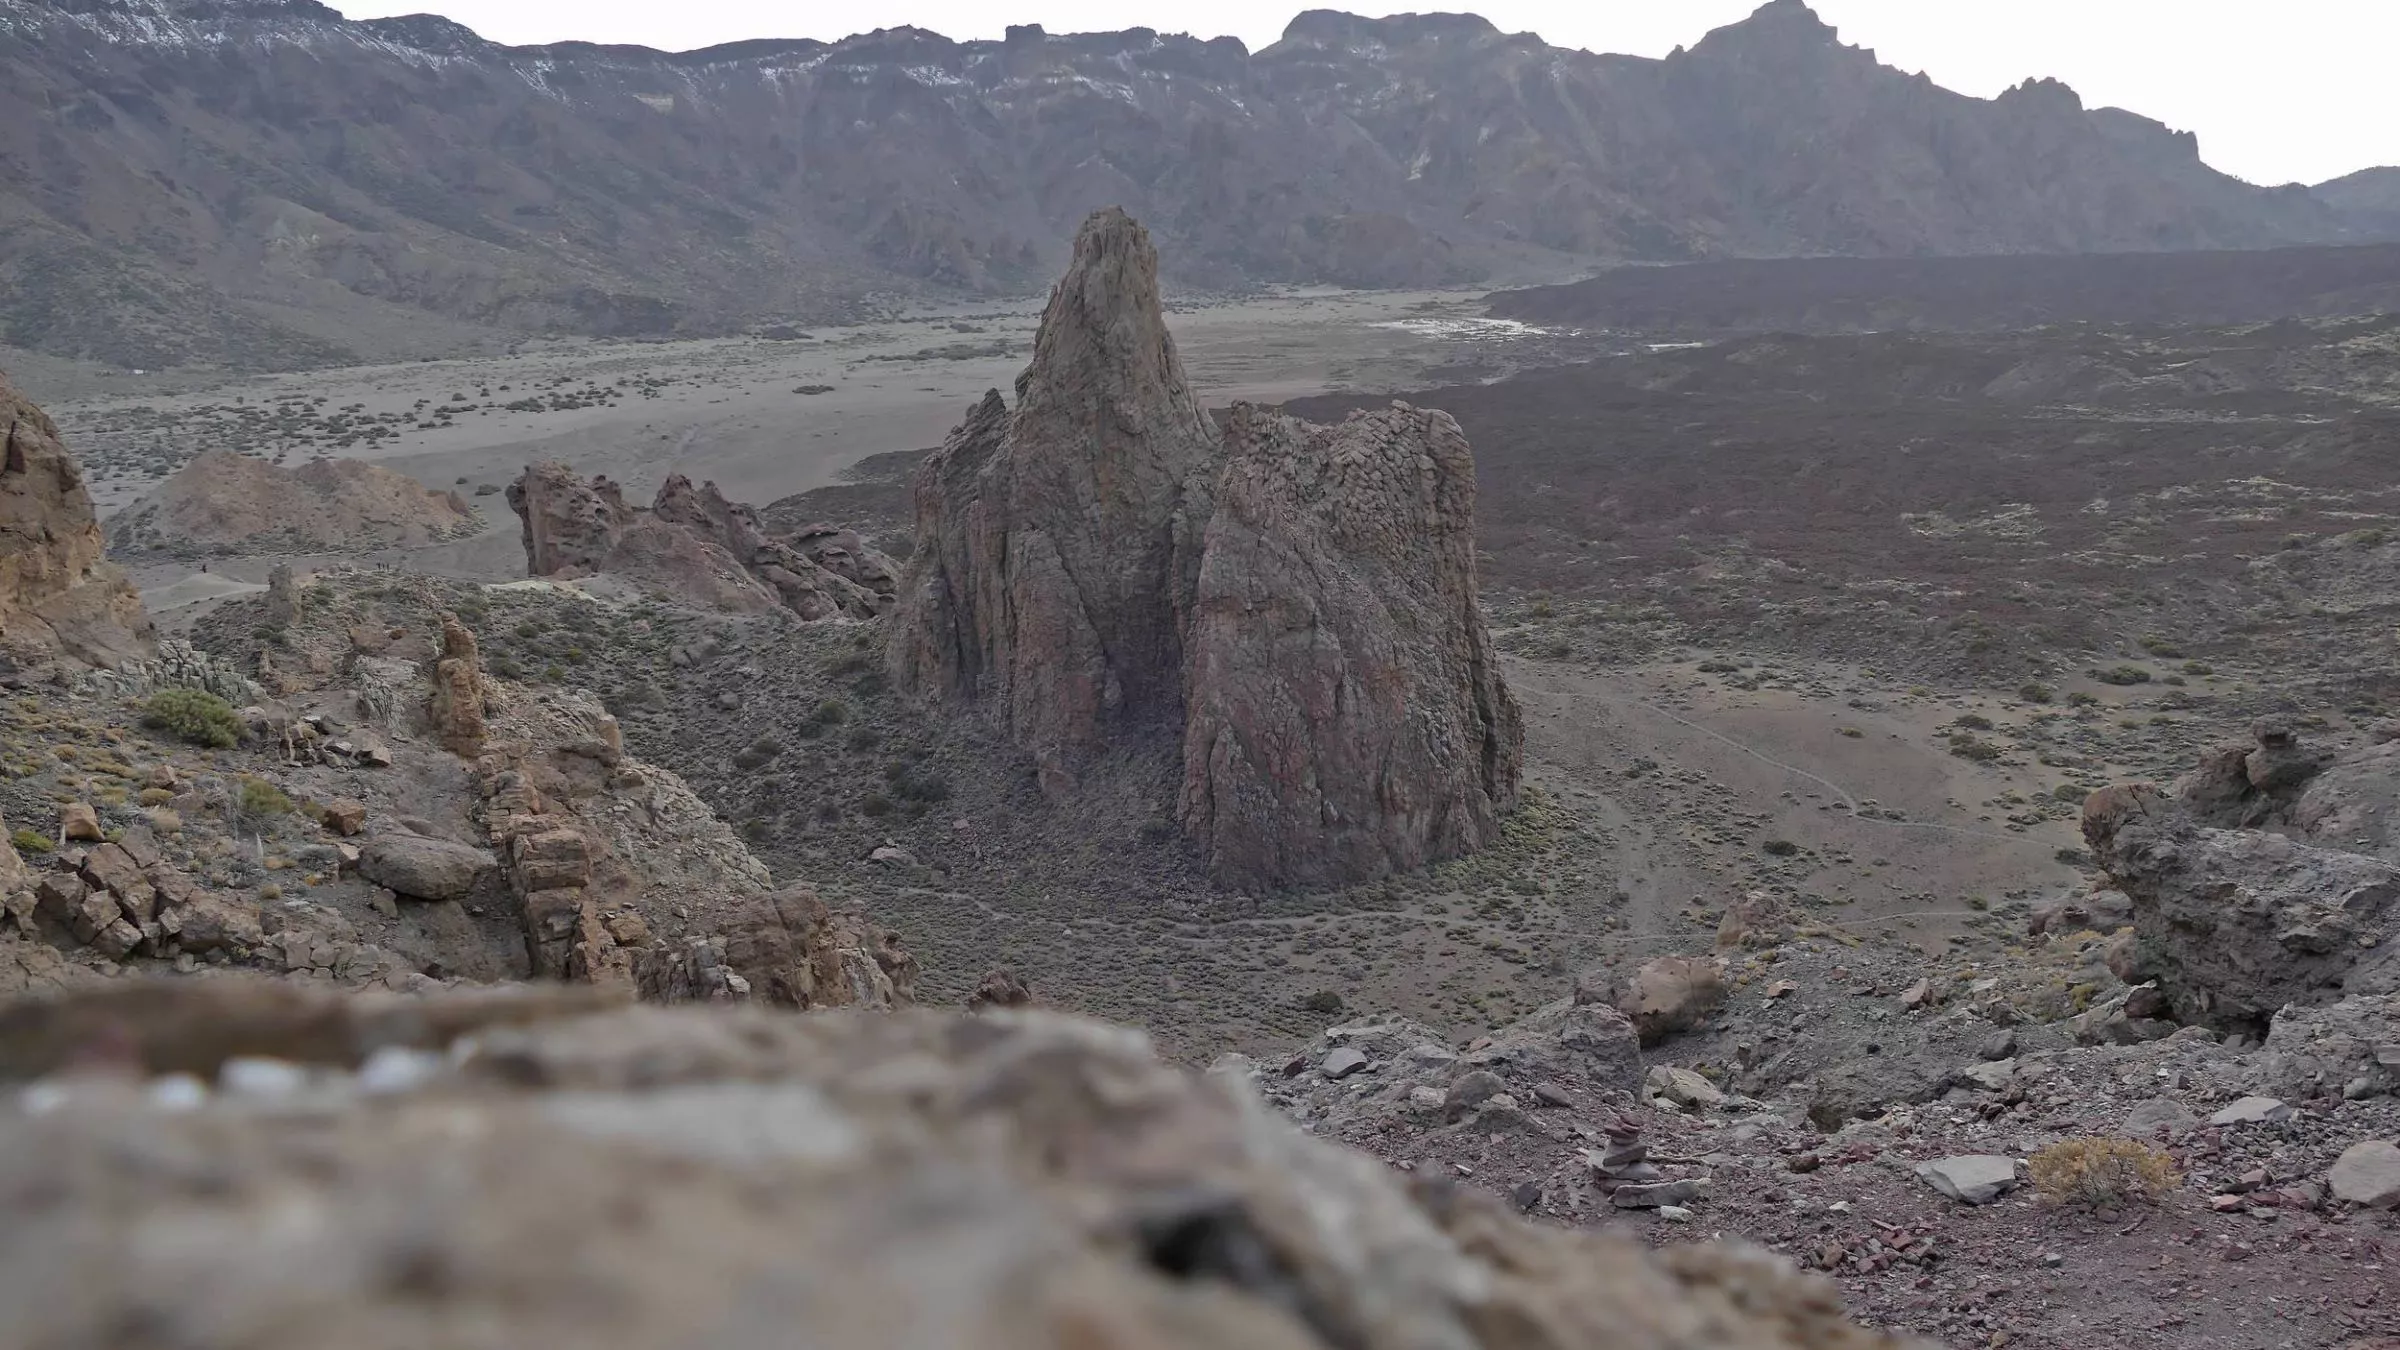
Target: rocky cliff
<point x="1056" y="541"/>
<point x="1296" y="608"/>
<point x="58" y="596"/>
<point x="1348" y="717"/>
<point x="170" y="195"/>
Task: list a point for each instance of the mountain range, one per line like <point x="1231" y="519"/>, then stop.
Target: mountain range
<point x="263" y="182"/>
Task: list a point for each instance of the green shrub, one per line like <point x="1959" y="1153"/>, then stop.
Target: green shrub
<point x="1966" y="746"/>
<point x="1975" y="722"/>
<point x="193" y="715"/>
<point x="29" y="842"/>
<point x="258" y="800"/>
<point x="2122" y="675"/>
<point x="2034" y="692"/>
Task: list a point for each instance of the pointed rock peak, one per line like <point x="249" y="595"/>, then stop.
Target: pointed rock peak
<point x="1776" y="26"/>
<point x="1105" y="333"/>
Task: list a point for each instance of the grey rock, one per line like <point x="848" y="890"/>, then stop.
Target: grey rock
<point x="2001" y="1044"/>
<point x="1974" y="1178"/>
<point x="2253" y="1111"/>
<point x="2160" y="1113"/>
<point x="1651" y="1195"/>
<point x="1470" y="1091"/>
<point x="419" y="868"/>
<point x="2368" y="1174"/>
<point x="1343" y="1062"/>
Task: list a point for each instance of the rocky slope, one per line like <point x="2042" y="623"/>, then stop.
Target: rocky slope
<point x="1104" y="575"/>
<point x="225" y="503"/>
<point x="616" y="190"/>
<point x="58" y="596"/>
<point x="695" y="546"/>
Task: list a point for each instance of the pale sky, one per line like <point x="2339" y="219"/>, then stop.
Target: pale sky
<point x="2278" y="90"/>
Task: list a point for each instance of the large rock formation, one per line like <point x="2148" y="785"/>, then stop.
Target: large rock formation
<point x="2234" y="924"/>
<point x="1299" y="614"/>
<point x="1055" y="542"/>
<point x="221" y="502"/>
<point x="58" y="596"/>
<point x="694" y="545"/>
<point x="1347" y="714"/>
<point x="742" y="1178"/>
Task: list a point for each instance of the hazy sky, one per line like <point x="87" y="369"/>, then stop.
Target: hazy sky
<point x="2278" y="90"/>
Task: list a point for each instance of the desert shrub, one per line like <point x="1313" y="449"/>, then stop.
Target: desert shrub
<point x="193" y="715"/>
<point x="875" y="804"/>
<point x="1966" y="746"/>
<point x="1975" y="721"/>
<point x="2033" y="691"/>
<point x="1324" y="1003"/>
<point x="2198" y="668"/>
<point x="2122" y="675"/>
<point x="2068" y="792"/>
<point x="258" y="801"/>
<point x="2102" y="1173"/>
<point x="2163" y="648"/>
<point x="2080" y="699"/>
<point x="28" y="841"/>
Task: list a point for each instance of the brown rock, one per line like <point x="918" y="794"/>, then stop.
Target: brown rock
<point x="1347" y="714"/>
<point x="345" y="816"/>
<point x="223" y="501"/>
<point x="999" y="988"/>
<point x="455" y="706"/>
<point x="569" y="526"/>
<point x="77" y="821"/>
<point x="1668" y="994"/>
<point x="1056" y="543"/>
<point x="58" y="596"/>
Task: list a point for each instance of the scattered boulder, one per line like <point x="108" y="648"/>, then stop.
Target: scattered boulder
<point x="1668" y="994"/>
<point x="78" y="822"/>
<point x="1684" y="1088"/>
<point x="570" y="526"/>
<point x="1974" y="1178"/>
<point x="1347" y="717"/>
<point x="416" y="867"/>
<point x="344" y="816"/>
<point x="58" y="597"/>
<point x="2235" y="924"/>
<point x="2160" y="1114"/>
<point x="1000" y="987"/>
<point x="2253" y="1111"/>
<point x="2368" y="1174"/>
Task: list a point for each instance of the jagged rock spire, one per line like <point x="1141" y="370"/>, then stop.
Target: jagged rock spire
<point x="1055" y="541"/>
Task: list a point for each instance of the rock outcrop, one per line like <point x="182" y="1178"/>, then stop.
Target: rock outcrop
<point x="223" y="503"/>
<point x="695" y="546"/>
<point x="455" y="707"/>
<point x="1294" y="607"/>
<point x="1347" y="716"/>
<point x="996" y="1182"/>
<point x="1057" y="542"/>
<point x="58" y="596"/>
<point x="2235" y="924"/>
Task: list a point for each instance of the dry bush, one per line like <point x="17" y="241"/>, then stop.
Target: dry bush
<point x="2100" y="1173"/>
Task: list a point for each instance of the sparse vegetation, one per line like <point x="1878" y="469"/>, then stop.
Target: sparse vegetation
<point x="2102" y="1173"/>
<point x="195" y="716"/>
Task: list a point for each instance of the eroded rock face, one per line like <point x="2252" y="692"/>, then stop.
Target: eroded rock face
<point x="1347" y="715"/>
<point x="58" y="596"/>
<point x="455" y="707"/>
<point x="999" y="1182"/>
<point x="1056" y="542"/>
<point x="692" y="544"/>
<point x="569" y="525"/>
<point x="2235" y="924"/>
<point x="1294" y="606"/>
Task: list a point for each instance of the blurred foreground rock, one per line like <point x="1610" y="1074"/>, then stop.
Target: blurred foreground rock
<point x="739" y="1177"/>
